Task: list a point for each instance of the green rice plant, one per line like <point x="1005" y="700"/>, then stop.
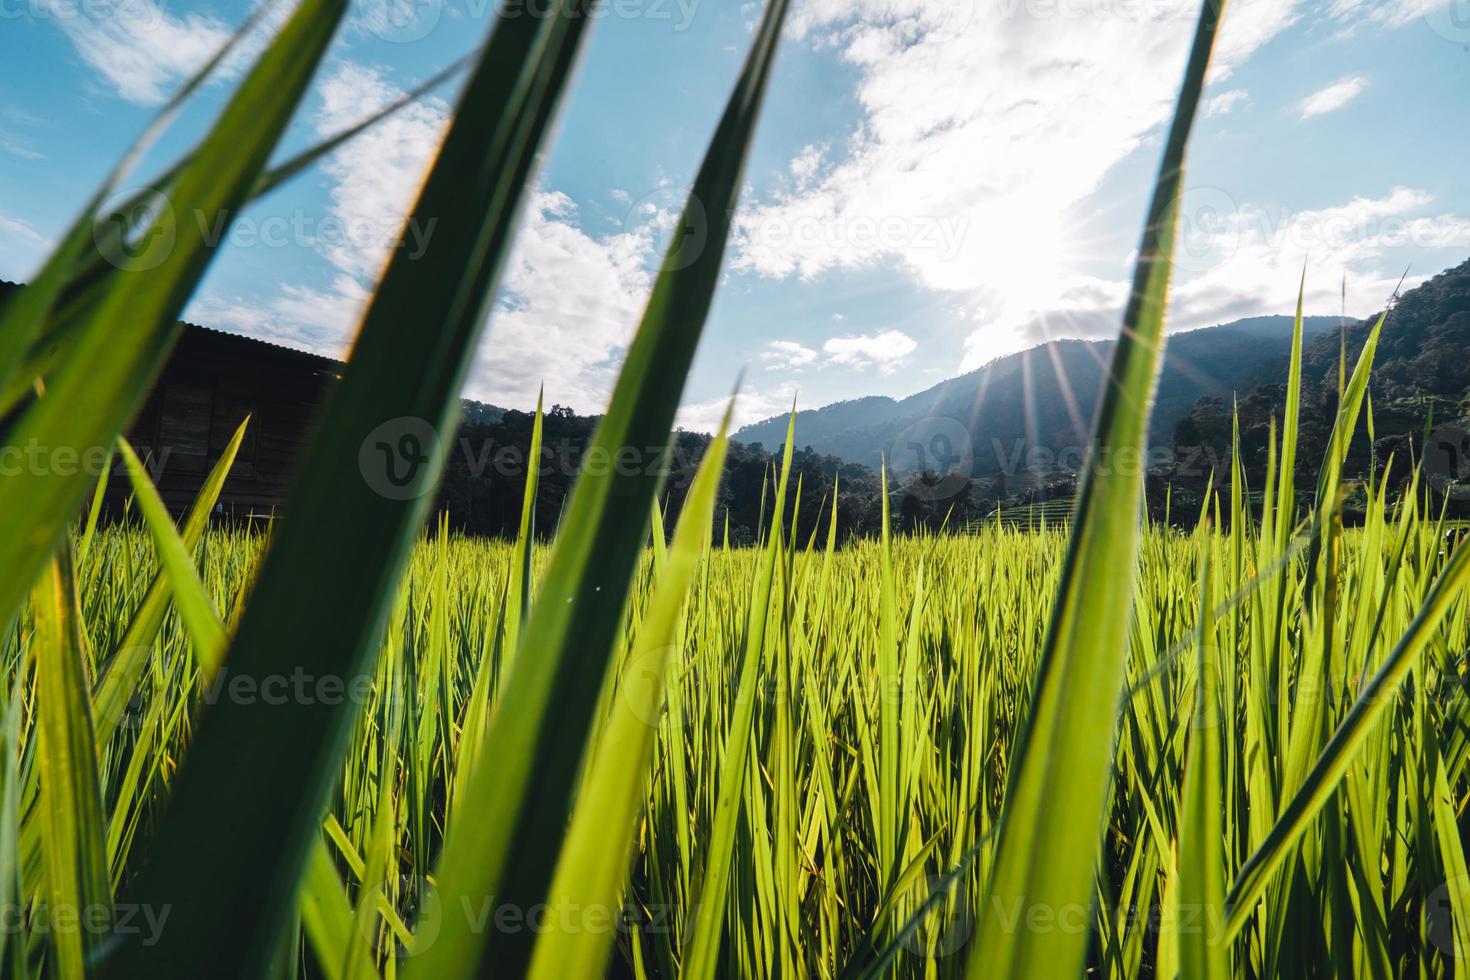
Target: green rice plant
<point x="830" y="908"/>
<point x="1058" y="778"/>
<point x="1094" y="745"/>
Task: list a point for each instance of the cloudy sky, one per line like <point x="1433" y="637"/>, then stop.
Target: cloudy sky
<point x="934" y="183"/>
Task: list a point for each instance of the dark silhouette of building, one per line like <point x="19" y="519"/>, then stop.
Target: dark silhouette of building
<point x="211" y="382"/>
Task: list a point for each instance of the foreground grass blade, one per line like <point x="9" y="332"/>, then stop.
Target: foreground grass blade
<point x="98" y="387"/>
<point x="259" y="774"/>
<point x="1051" y="824"/>
<point x="594" y="860"/>
<point x="73" y="827"/>
<point x="539" y="729"/>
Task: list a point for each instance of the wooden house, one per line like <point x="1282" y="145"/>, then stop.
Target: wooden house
<point x="213" y="380"/>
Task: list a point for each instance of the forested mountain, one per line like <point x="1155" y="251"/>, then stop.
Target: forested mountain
<point x="1038" y="402"/>
<point x="1420" y="385"/>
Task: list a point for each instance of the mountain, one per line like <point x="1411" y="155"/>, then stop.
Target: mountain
<point x="1421" y="373"/>
<point x="1032" y="411"/>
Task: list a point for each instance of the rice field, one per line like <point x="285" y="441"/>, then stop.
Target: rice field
<point x="878" y="734"/>
<point x="360" y="750"/>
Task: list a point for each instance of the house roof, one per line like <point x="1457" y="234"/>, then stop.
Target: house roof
<point x="211" y="334"/>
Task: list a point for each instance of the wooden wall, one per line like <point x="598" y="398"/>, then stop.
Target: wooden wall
<point x="211" y="382"/>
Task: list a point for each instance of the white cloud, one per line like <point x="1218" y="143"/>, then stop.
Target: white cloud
<point x="1249" y="263"/>
<point x="374" y="182"/>
<point x="1332" y="97"/>
<point x="137" y="46"/>
<point x="376" y="177"/>
<point x="317" y="320"/>
<point x="788" y="355"/>
<point x="22" y="248"/>
<point x="1367" y="240"/>
<point x="886" y="350"/>
<point x="22" y="230"/>
<point x="1387" y="13"/>
<point x="750" y="407"/>
<point x="1226" y="102"/>
<point x="985" y="128"/>
<point x="807" y="165"/>
<point x="572" y="301"/>
<point x="14" y="136"/>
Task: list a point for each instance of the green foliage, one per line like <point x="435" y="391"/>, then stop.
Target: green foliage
<point x="351" y="743"/>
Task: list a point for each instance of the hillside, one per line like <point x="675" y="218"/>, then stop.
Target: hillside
<point x="1420" y="371"/>
<point x="1037" y="402"/>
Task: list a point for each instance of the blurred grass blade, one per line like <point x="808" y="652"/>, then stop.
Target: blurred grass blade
<point x="73" y="828"/>
<point x="1051" y="824"/>
<point x="259" y="774"/>
<point x="100" y="384"/>
<point x="539" y="728"/>
<point x="593" y="866"/>
<point x="23" y="316"/>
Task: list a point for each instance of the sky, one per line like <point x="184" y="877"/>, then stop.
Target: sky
<point x="933" y="184"/>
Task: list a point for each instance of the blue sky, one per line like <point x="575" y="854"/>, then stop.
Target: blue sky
<point x="934" y="184"/>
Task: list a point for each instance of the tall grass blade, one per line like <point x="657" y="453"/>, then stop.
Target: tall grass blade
<point x="539" y="728"/>
<point x="127" y="336"/>
<point x="73" y="827"/>
<point x="1203" y="953"/>
<point x="1051" y="824"/>
<point x="702" y="957"/>
<point x="1349" y="738"/>
<point x="119" y="675"/>
<point x="397" y="392"/>
<point x="593" y="866"/>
